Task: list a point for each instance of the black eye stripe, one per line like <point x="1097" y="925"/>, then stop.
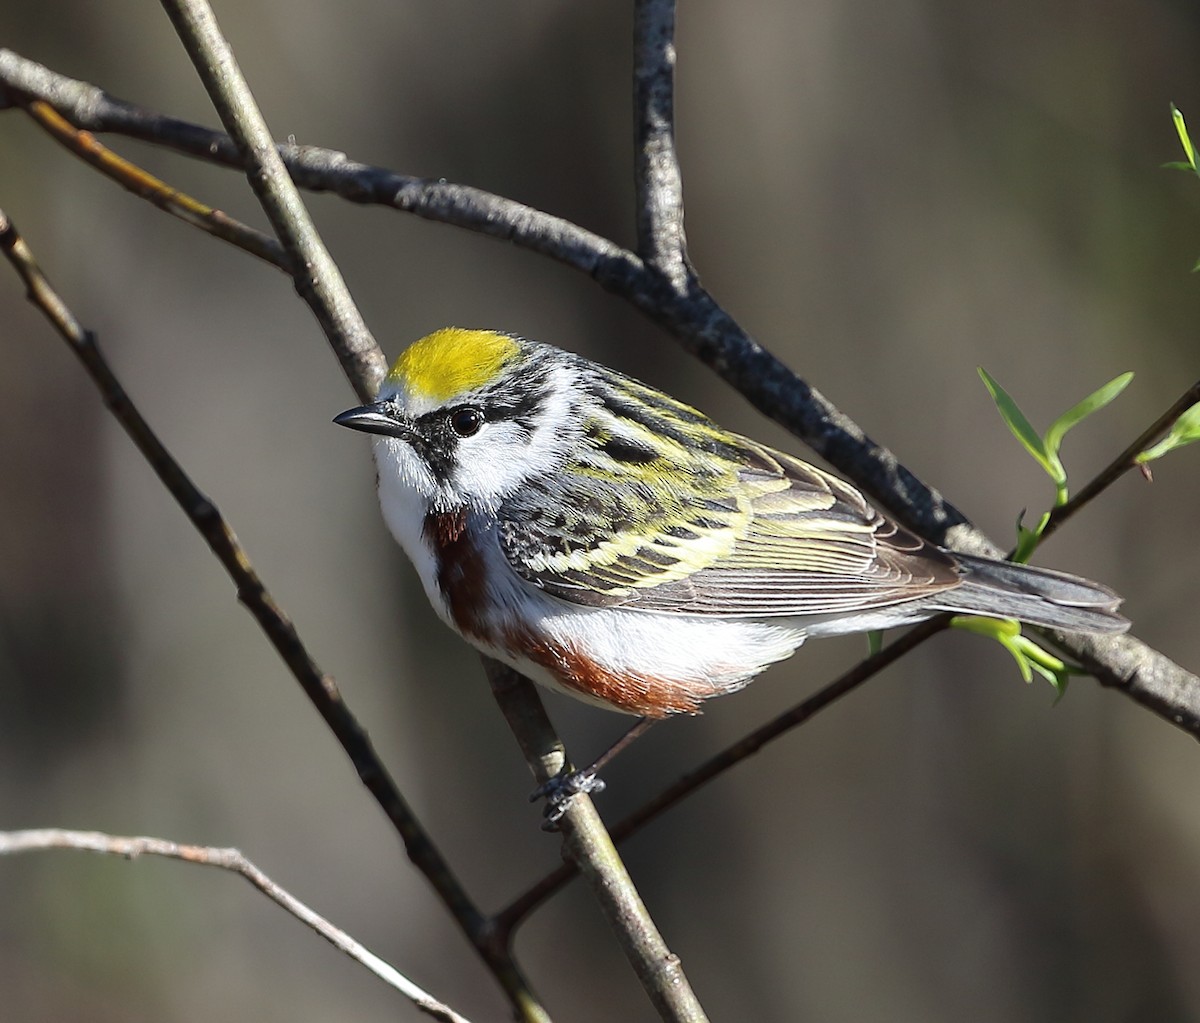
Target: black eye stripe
<point x="439" y="432"/>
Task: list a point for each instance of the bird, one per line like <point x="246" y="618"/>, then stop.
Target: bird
<point x="613" y="543"/>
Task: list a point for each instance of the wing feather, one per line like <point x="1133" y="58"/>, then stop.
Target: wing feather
<point x="662" y="510"/>
<point x="780" y="538"/>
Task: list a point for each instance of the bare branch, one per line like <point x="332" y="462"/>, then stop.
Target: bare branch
<point x="146" y="186"/>
<point x="328" y="170"/>
<point x="1125" y="461"/>
<point x="591" y="851"/>
<point x="658" y="181"/>
<point x="317" y="278"/>
<point x="41" y="839"/>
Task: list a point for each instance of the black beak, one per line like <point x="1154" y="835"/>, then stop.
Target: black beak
<point x="378" y="417"/>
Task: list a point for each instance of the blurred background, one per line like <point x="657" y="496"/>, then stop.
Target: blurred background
<point x="885" y="195"/>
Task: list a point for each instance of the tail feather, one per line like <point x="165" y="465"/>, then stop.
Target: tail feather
<point x="1038" y="596"/>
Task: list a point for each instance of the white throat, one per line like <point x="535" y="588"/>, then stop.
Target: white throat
<point x="407" y="493"/>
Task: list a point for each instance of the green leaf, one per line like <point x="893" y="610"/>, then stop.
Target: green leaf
<point x="1076" y="414"/>
<point x="1028" y="539"/>
<point x="999" y="629"/>
<point x="1092" y="403"/>
<point x="1015" y="419"/>
<point x="1045" y="449"/>
<point x="1055" y="671"/>
<point x="1182" y="165"/>
<point x="1185" y="430"/>
<point x="1187" y="426"/>
<point x="1184" y="139"/>
<point x="1028" y="655"/>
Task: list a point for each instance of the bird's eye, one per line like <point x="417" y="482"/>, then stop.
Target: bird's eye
<point x="466" y="421"/>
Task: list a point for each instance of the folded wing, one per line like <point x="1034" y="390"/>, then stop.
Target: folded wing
<point x="765" y="535"/>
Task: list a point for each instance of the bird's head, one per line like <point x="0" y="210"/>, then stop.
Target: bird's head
<point x="464" y="417"/>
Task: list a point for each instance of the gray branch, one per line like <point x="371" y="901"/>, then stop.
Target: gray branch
<point x="658" y="181"/>
<point x="317" y="277"/>
<point x="40" y="839"/>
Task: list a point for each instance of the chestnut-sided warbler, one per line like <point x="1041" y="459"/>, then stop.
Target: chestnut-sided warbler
<point x="615" y="544"/>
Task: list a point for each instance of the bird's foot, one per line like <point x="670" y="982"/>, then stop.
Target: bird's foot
<point x="559" y="791"/>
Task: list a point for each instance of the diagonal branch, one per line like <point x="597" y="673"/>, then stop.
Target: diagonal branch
<point x="1125" y="461"/>
<point x="591" y="851"/>
<point x="321" y="688"/>
<point x="12" y="842"/>
<point x="317" y="169"/>
<point x="317" y="278"/>
<point x="146" y="186"/>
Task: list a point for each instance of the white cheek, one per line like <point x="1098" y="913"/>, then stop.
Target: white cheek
<point x="497" y="460"/>
<point x="491" y="464"/>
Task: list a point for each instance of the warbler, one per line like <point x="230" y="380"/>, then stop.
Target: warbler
<point x="617" y="545"/>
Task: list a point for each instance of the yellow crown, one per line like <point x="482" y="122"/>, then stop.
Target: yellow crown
<point x="451" y="361"/>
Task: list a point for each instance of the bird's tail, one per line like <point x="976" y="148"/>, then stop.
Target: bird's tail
<point x="1037" y="596"/>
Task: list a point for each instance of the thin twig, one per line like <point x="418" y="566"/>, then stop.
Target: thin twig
<point x="40" y="839"/>
<point x="146" y="186"/>
<point x="321" y="688"/>
<point x="316" y="276"/>
<point x="1125" y="461"/>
